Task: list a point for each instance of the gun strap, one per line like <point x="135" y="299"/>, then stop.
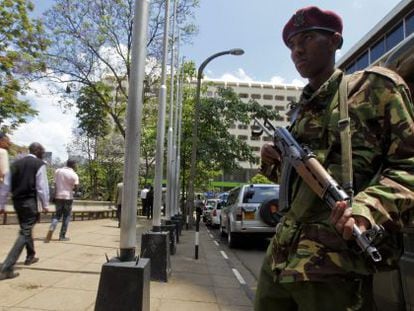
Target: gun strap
<point x="344" y="125"/>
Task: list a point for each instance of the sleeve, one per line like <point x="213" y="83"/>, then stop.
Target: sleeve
<point x="391" y="194"/>
<point x="4" y="190"/>
<point x="4" y="164"/>
<point x="42" y="186"/>
<point x="76" y="180"/>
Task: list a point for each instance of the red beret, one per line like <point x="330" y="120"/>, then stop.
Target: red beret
<point x="312" y="18"/>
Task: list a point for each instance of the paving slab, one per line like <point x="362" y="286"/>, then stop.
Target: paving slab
<point x="67" y="275"/>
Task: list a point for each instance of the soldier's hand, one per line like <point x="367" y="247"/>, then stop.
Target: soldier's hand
<point x="269" y="154"/>
<point x="343" y="220"/>
<point x="45" y="210"/>
<point x="2" y="210"/>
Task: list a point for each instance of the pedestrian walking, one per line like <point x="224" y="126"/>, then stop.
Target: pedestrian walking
<point x="4" y="170"/>
<point x="118" y="201"/>
<point x="150" y="202"/>
<point x="66" y="182"/>
<point x="28" y="184"/>
<point x="143" y="196"/>
<point x="313" y="263"/>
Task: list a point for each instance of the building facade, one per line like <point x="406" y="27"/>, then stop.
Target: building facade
<point x="396" y="27"/>
<point x="271" y="96"/>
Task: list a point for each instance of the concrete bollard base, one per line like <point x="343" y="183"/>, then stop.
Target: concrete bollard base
<point x="124" y="286"/>
<point x="156" y="246"/>
<point x="172" y="229"/>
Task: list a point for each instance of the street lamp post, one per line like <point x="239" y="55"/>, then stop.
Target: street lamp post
<point x="194" y="140"/>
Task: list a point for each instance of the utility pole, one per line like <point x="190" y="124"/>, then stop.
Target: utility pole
<point x="128" y="238"/>
<point x="159" y="154"/>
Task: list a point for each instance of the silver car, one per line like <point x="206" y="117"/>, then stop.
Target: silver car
<point x="241" y="216"/>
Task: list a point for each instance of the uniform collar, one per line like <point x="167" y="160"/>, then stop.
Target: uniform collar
<point x="325" y="91"/>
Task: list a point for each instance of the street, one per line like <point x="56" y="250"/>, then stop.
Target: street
<point x="247" y="258"/>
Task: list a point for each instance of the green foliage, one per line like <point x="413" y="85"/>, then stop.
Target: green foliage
<point x="92" y="41"/>
<point x="21" y="44"/>
<point x="217" y="149"/>
<point x="260" y="179"/>
<point x="93" y="118"/>
<point x="101" y="167"/>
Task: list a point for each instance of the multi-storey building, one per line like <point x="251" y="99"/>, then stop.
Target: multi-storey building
<point x="272" y="96"/>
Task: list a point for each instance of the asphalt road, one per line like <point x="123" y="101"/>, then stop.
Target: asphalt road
<point x="250" y="253"/>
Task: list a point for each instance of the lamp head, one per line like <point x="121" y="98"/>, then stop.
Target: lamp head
<point x="236" y="52"/>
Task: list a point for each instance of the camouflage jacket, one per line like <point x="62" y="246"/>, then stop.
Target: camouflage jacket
<point x="306" y="246"/>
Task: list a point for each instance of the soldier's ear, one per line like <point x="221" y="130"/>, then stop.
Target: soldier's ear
<point x="337" y="40"/>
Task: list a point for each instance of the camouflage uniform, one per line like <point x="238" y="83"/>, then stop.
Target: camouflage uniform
<point x="306" y="251"/>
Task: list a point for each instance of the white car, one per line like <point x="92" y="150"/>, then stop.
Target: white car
<point x="211" y="206"/>
<point x="216" y="214"/>
<point x="241" y="215"/>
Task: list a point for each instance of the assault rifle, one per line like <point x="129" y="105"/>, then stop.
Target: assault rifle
<point x="318" y="179"/>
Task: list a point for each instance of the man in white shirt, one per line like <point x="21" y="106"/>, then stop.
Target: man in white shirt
<point x="144" y="193"/>
<point x="28" y="185"/>
<point x="66" y="181"/>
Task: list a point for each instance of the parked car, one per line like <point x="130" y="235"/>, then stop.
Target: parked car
<point x="241" y="214"/>
<point x="216" y="214"/>
<point x="210" y="205"/>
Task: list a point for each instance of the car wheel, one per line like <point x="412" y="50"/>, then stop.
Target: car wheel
<point x="232" y="238"/>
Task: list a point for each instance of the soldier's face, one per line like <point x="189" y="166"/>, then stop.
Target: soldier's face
<point x="313" y="53"/>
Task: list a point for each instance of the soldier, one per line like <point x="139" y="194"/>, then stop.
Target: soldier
<point x="313" y="262"/>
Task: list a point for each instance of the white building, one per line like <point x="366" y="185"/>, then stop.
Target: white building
<point x="272" y="96"/>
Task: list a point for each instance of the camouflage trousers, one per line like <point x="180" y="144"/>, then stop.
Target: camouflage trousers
<point x="355" y="294"/>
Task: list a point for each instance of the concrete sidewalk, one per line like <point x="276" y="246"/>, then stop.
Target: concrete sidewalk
<point x="67" y="275"/>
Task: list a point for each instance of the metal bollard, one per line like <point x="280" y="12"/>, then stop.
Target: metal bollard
<point x="197" y="233"/>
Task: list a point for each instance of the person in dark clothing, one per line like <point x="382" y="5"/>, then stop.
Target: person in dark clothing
<point x="28" y="183"/>
<point x="118" y="201"/>
<point x="150" y="202"/>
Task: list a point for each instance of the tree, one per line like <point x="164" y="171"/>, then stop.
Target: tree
<point x="91" y="41"/>
<point x="260" y="179"/>
<point x="93" y="127"/>
<point x="21" y="45"/>
<point x="217" y="149"/>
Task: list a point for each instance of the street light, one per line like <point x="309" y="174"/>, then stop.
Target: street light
<point x="190" y="198"/>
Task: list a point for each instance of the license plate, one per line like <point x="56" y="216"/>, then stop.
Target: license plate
<point x="248" y="215"/>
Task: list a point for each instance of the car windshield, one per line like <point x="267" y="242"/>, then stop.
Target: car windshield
<point x="259" y="194"/>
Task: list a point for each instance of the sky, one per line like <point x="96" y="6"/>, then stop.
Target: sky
<point x="254" y="26"/>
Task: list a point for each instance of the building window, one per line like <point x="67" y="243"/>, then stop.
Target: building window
<point x="291" y="98"/>
<point x="242" y="127"/>
<point x="267" y="138"/>
<point x="268" y="107"/>
<point x="279" y="118"/>
<point x="244" y="95"/>
<point x="267" y="97"/>
<point x="351" y="68"/>
<point x="279" y="97"/>
<point x="279" y="108"/>
<point x="362" y="62"/>
<point x="232" y="126"/>
<point x="394" y="37"/>
<point x="255" y="96"/>
<point x="242" y="137"/>
<point x="409" y="24"/>
<point x="377" y="50"/>
<point x="255" y="149"/>
<point x="254" y="137"/>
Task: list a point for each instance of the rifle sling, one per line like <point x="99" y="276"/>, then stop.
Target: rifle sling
<point x="344" y="126"/>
